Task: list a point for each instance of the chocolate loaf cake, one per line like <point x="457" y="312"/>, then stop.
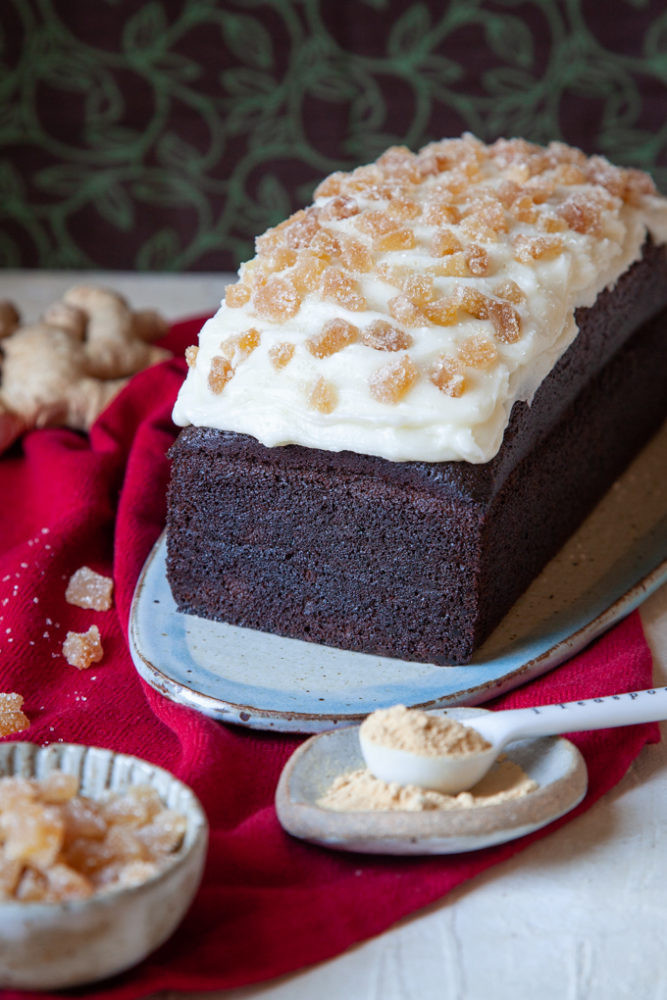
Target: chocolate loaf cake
<point x="412" y="529"/>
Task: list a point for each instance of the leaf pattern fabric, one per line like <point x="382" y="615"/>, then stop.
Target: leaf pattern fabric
<point x="164" y="135"/>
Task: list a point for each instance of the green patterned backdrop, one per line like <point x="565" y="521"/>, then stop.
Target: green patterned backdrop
<point x="164" y="134"/>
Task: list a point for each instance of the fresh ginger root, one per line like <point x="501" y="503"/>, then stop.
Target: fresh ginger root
<point x="65" y="369"/>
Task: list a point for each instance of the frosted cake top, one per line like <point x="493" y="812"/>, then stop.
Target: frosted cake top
<point x="406" y="310"/>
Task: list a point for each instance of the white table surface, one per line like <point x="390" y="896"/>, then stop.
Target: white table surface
<point x="579" y="915"/>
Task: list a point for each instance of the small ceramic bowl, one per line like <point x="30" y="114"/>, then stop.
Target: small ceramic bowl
<point x="58" y="945"/>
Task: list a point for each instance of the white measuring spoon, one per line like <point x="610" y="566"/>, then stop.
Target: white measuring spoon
<point x="452" y="774"/>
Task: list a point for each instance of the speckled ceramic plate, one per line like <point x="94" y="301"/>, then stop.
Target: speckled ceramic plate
<point x="554" y="764"/>
<point x="616" y="559"/>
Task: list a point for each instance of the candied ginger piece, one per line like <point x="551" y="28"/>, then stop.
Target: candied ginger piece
<point x="384" y="336"/>
<point x="330" y="186"/>
<point x="33" y="833"/>
<point x="405" y="311"/>
<point x="87" y="589"/>
<point x="443" y="311"/>
<point x="83" y="818"/>
<point x="15" y="791"/>
<point x="134" y="807"/>
<point x="281" y="354"/>
<point x="240" y="346"/>
<point x="237" y="295"/>
<point x="323" y="396"/>
<point x="472" y="301"/>
<point x="636" y="184"/>
<point x="88" y="856"/>
<point x="418" y="287"/>
<point x="33" y="886"/>
<point x="302" y="228"/>
<point x="342" y="289"/>
<point x="307" y="272"/>
<point x="64" y="882"/>
<point x="164" y="834"/>
<point x="528" y="249"/>
<point x="325" y="244"/>
<point x="340" y="207"/>
<point x="403" y="209"/>
<point x="440" y="209"/>
<point x="375" y="223"/>
<point x="81" y="649"/>
<point x="58" y="787"/>
<point x="10" y="873"/>
<point x="600" y="171"/>
<point x="134" y="873"/>
<point x="509" y="290"/>
<point x="398" y="239"/>
<point x="447" y="374"/>
<point x="333" y="337"/>
<point x="568" y="173"/>
<point x="506" y="321"/>
<point x="191" y="353"/>
<point x="124" y="842"/>
<point x="397" y="160"/>
<point x="12" y="719"/>
<point x="278" y="259"/>
<point x="393" y="381"/>
<point x="220" y="374"/>
<point x="277" y="299"/>
<point x="453" y="265"/>
<point x="524" y="210"/>
<point x="550" y="223"/>
<point x="478" y="352"/>
<point x="444" y="242"/>
<point x="355" y="255"/>
<point x="477" y="260"/>
<point x="582" y="214"/>
<point x="476" y="227"/>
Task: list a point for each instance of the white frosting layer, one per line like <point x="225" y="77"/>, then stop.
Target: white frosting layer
<point x="426" y="424"/>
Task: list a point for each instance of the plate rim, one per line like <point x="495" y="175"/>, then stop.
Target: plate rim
<point x="311" y="722"/>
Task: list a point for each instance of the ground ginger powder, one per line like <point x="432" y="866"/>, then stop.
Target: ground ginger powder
<point x="361" y="791"/>
<point x="419" y="732"/>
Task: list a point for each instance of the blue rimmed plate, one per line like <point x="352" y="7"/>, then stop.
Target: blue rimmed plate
<point x="616" y="559"/>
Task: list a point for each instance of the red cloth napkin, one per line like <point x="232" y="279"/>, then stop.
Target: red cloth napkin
<point x="269" y="903"/>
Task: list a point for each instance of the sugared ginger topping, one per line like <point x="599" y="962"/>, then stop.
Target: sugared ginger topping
<point x="383" y="336"/>
<point x="87" y="589"/>
<point x="323" y="396"/>
<point x="12" y="718"/>
<point x="390" y="383"/>
<point x="478" y="352"/>
<point x="82" y="649"/>
<point x="447" y="374"/>
<point x="334" y="336"/>
<point x="281" y="354"/>
<point x="239" y="346"/>
<point x="220" y="374"/>
<point x="438" y="227"/>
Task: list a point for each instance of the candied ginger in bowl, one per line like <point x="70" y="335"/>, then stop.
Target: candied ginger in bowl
<point x="100" y="857"/>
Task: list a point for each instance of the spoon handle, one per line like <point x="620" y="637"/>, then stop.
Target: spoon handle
<point x="575" y="716"/>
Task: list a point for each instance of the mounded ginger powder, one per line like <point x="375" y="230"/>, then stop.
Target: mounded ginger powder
<point x="360" y="791"/>
<point x="419" y="732"/>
